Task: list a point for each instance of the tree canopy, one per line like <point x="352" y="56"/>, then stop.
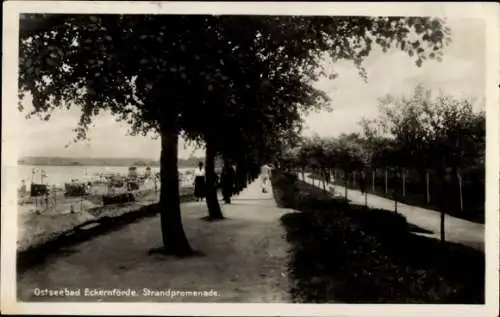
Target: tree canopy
<point x="436" y="132"/>
<point x="120" y="62"/>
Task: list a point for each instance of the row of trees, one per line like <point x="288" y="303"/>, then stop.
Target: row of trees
<point x="237" y="84"/>
<point x="421" y="132"/>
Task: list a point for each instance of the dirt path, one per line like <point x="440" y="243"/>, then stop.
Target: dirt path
<point x="245" y="259"/>
<point x="456" y="230"/>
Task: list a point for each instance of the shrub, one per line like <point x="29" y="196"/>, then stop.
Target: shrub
<point x="284" y="189"/>
<point x="75" y="189"/>
<point x="38" y="190"/>
<point x="357" y="255"/>
<point x="118" y="199"/>
<point x="383" y="223"/>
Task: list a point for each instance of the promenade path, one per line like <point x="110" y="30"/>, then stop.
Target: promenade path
<point x="244" y="258"/>
<point x="456" y="230"/>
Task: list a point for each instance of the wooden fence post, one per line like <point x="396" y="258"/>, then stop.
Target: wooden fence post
<point x="460" y="190"/>
<point x="427" y="181"/>
<point x="386" y="190"/>
<point x="395" y="203"/>
<point x="345" y="185"/>
<point x="373" y="181"/>
<point x="323" y="177"/>
<point x="404" y="182"/>
<point x="333" y="179"/>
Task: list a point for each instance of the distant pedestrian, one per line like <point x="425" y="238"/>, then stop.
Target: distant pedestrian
<point x="265" y="174"/>
<point x="327" y="177"/>
<point x="23" y="189"/>
<point x="199" y="182"/>
<point x="228" y="182"/>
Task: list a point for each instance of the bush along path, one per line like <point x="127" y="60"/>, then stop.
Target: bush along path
<point x="457" y="230"/>
<point x="240" y="259"/>
<point x="352" y="254"/>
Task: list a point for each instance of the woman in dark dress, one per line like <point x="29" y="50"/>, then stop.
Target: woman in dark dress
<point x="236" y="187"/>
<point x="228" y="182"/>
<point x="199" y="182"/>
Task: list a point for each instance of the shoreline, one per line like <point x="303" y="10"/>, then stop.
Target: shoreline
<point x="36" y="229"/>
<point x="83" y="226"/>
<point x="102" y="161"/>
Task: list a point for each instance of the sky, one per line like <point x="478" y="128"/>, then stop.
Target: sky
<point x="461" y="73"/>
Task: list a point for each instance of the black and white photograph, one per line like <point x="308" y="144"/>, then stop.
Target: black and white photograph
<point x="253" y="154"/>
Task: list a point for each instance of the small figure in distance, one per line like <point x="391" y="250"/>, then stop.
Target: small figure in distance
<point x="265" y="172"/>
<point x="199" y="182"/>
<point x="228" y="182"/>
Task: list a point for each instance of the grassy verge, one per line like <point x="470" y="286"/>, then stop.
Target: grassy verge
<point x="351" y="254"/>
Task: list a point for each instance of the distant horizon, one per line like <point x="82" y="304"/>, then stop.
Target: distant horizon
<point x="79" y="161"/>
<point x="100" y="157"/>
<point x="94" y="157"/>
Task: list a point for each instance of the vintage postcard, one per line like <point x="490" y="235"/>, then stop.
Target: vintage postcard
<point x="278" y="159"/>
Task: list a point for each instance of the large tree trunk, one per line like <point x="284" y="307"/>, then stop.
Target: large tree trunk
<point x="214" y="211"/>
<point x="174" y="238"/>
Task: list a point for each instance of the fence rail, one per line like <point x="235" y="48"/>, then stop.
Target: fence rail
<point x="463" y="198"/>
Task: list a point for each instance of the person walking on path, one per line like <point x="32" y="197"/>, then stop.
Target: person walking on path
<point x="327" y="177"/>
<point x="199" y="182"/>
<point x="237" y="180"/>
<point x="362" y="183"/>
<point x="228" y="182"/>
<point x="265" y="172"/>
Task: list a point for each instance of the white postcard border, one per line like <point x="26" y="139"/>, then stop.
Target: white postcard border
<point x="12" y="9"/>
